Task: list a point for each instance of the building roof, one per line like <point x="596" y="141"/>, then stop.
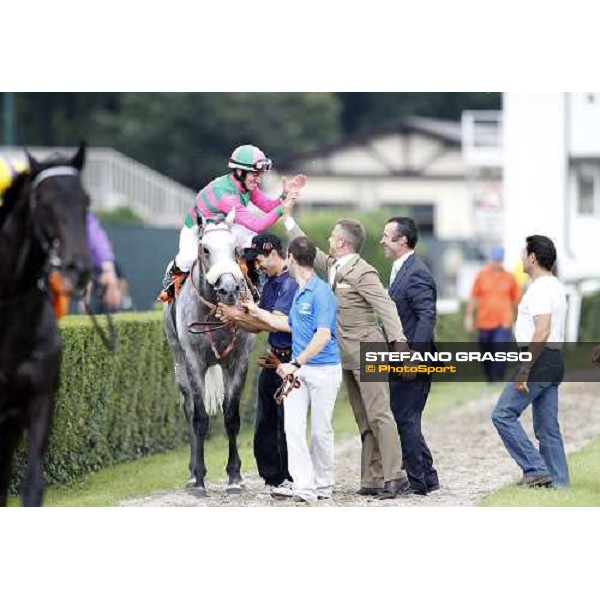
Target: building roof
<point x="447" y="132"/>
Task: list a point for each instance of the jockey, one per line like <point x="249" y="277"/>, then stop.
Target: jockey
<point x="230" y="196"/>
<point x="9" y="169"/>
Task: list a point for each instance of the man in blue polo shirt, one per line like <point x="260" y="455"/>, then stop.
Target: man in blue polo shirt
<point x="270" y="449"/>
<point x="316" y="363"/>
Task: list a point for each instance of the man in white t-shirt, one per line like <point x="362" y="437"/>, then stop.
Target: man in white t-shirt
<point x="540" y="330"/>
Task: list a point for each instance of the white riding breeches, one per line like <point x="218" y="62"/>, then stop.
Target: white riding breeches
<point x="189" y="239"/>
<point x="188" y="248"/>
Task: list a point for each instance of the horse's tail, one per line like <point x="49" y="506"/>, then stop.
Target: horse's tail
<point x="214" y="390"/>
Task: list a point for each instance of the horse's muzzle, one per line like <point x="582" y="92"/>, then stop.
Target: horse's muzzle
<point x="228" y="289"/>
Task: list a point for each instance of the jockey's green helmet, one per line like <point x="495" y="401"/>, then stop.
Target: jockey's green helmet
<point x="250" y="158"/>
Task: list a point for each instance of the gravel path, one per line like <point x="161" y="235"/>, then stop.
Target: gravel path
<point x="468" y="454"/>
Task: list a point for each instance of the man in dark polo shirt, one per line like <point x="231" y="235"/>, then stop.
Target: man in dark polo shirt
<point x="270" y="449"/>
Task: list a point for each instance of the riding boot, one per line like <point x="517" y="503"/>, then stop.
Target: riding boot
<point x="172" y="283"/>
<point x="251" y="274"/>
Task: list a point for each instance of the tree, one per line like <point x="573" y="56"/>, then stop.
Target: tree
<point x="363" y="111"/>
<point x="190" y="136"/>
<point x="59" y="118"/>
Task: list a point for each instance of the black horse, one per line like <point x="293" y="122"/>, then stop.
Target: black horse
<point x="42" y="229"/>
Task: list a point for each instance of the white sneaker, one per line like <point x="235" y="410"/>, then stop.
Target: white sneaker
<point x="283" y="490"/>
<point x="268" y="489"/>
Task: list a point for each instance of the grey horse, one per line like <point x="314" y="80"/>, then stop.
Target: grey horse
<point x="211" y="361"/>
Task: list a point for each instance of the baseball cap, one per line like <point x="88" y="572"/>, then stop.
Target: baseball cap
<point x="264" y="243"/>
<point x="497" y="253"/>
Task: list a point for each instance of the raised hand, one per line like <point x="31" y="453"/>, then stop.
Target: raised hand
<point x="297" y="183"/>
<point x="294" y="185"/>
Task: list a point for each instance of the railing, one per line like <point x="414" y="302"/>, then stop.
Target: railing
<point x="113" y="179"/>
<point x="482" y="142"/>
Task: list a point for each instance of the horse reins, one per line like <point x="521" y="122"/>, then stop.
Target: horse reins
<point x="290" y="382"/>
<point x="51" y="248"/>
<point x="207" y="327"/>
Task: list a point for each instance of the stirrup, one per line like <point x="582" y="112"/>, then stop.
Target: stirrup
<point x="166" y="296"/>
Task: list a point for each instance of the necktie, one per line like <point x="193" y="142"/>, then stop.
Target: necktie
<point x="395" y="270"/>
<point x="333" y="273"/>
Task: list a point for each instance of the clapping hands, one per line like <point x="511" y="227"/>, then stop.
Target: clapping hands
<point x="291" y="191"/>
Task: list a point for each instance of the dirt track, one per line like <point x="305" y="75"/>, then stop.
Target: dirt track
<point x="468" y="454"/>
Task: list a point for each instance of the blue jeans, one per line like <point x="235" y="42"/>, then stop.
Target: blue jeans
<point x="543" y="396"/>
<point x="494" y="340"/>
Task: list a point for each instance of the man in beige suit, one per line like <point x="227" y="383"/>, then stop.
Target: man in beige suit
<point x="363" y="309"/>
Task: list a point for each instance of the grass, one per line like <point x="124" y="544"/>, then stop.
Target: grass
<point x="160" y="472"/>
<point x="584" y="467"/>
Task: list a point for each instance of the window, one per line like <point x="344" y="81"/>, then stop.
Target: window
<point x="587" y="176"/>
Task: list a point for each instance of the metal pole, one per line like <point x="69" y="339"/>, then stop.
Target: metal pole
<point x="9" y="118"/>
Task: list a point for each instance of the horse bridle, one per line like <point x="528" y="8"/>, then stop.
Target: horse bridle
<point x="51" y="248"/>
<point x="50" y="245"/>
<point x="207" y="327"/>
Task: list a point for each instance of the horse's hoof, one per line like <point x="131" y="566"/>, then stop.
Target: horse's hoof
<point x="190" y="483"/>
<point x="235" y="489"/>
<point x="198" y="492"/>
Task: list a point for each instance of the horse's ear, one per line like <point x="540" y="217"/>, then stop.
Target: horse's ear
<point x="79" y="159"/>
<point x="34" y="165"/>
<point x="230" y="218"/>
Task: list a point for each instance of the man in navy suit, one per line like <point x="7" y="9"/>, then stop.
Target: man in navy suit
<point x="413" y="289"/>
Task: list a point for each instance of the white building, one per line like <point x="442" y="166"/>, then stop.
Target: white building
<point x="552" y="176"/>
<point x="418" y="165"/>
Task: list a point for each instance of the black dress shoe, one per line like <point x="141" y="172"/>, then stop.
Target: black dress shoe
<point x="419" y="491"/>
<point x="394" y="488"/>
<point x="433" y="488"/>
<point x="366" y="491"/>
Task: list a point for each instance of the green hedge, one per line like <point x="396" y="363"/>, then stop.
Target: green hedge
<point x="122" y="406"/>
<point x="589" y="325"/>
<point x="112" y="407"/>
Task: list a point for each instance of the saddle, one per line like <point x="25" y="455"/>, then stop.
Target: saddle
<point x="174" y="282"/>
<point x="291" y="382"/>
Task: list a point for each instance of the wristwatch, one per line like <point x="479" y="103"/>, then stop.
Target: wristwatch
<point x="296" y="364"/>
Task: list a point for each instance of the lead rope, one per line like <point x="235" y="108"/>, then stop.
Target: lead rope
<point x="110" y="341"/>
<point x="290" y="382"/>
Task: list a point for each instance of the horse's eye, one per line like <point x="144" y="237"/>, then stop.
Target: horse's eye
<point x="206" y="251"/>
